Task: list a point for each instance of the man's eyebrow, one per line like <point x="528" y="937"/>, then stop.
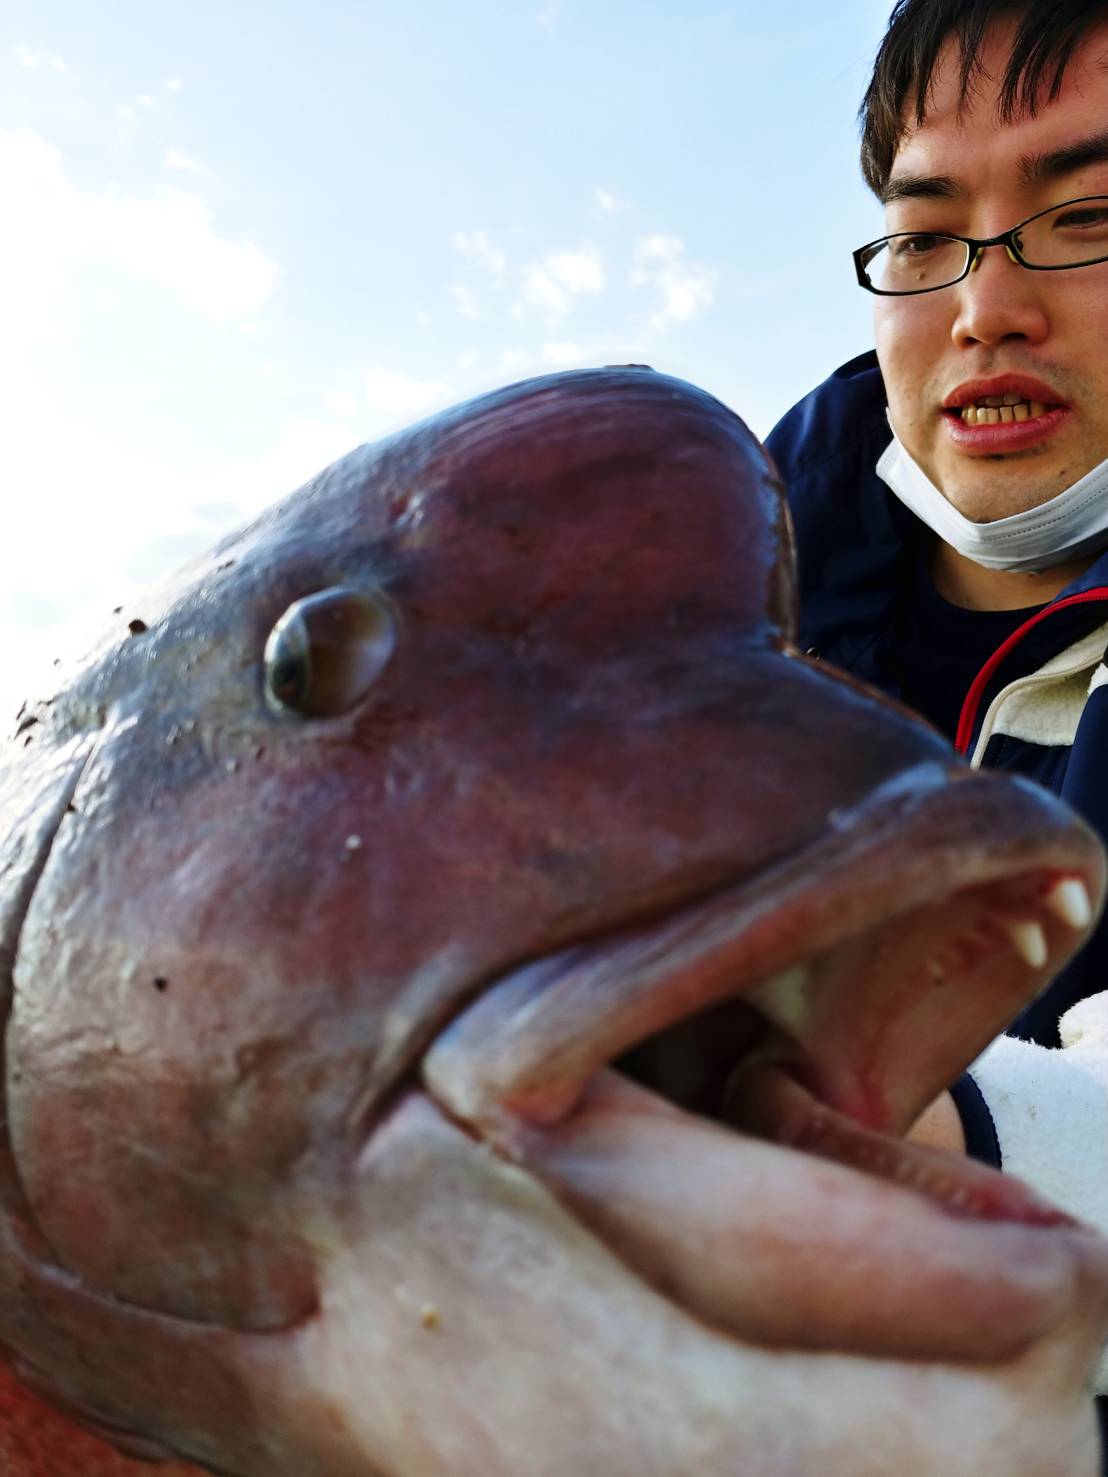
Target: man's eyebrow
<point x="1037" y="169"/>
<point x="924" y="187"/>
<point x="1033" y="169"/>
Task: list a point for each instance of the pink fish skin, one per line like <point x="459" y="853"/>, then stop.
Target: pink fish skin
<point x="466" y="976"/>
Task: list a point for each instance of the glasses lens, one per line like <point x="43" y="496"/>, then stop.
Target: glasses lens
<point x="914" y="263"/>
<point x="1067" y="236"/>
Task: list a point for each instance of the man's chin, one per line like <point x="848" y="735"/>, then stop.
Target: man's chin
<point x="1001" y="484"/>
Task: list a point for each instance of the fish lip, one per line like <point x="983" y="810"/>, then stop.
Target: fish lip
<point x="525" y="1050"/>
<point x="526" y="1072"/>
<point x="1025" y="385"/>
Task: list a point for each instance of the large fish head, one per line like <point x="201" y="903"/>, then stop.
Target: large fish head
<point x="467" y="974"/>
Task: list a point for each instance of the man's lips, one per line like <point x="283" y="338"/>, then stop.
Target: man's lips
<point x="1026" y="386"/>
<point x="1012" y="436"/>
<point x="1003" y="413"/>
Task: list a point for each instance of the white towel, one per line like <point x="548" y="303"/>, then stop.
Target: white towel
<point x="1050" y="1108"/>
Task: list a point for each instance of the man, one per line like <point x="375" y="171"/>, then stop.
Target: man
<point x="950" y="492"/>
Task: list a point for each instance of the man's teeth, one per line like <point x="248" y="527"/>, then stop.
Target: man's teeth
<point x="995" y="410"/>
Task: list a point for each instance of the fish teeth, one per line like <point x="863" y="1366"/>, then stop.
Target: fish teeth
<point x="785" y="999"/>
<point x="1030" y="942"/>
<point x="1069" y="901"/>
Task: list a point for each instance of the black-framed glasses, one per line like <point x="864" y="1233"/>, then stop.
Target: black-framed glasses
<point x="1073" y="234"/>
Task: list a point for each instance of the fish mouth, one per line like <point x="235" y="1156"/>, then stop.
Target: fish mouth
<point x="719" y="1094"/>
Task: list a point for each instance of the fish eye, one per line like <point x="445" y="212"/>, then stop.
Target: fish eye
<point x="327" y="651"/>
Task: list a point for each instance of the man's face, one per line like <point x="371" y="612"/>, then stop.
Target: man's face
<point x="968" y="174"/>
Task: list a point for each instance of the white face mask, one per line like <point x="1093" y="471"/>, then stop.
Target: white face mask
<point x="1073" y="523"/>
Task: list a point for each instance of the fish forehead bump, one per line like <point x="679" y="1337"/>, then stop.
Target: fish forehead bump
<point x="620" y="486"/>
<point x="632" y="496"/>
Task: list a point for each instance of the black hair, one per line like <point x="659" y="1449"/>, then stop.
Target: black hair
<point x="1047" y="34"/>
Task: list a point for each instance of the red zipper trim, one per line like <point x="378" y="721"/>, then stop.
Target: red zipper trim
<point x="968" y="717"/>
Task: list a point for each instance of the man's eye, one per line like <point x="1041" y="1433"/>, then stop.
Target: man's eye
<point x="1088" y="216"/>
<point x="918" y="245"/>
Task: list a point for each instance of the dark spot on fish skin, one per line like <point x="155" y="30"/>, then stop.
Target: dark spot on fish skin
<point x="136" y="627"/>
<point x="28" y="740"/>
<point x="25" y="723"/>
<point x="161" y="984"/>
<point x="261" y="1056"/>
<point x="71" y="809"/>
<point x="117" y="610"/>
<point x="227" y="564"/>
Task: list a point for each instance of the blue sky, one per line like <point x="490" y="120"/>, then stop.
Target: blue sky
<point x="241" y="238"/>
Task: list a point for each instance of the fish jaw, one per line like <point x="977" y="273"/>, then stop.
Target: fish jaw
<point x="471" y="1324"/>
<point x="827" y="1026"/>
<point x="873" y="963"/>
<point x="506" y="1336"/>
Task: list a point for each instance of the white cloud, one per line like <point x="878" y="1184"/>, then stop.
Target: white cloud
<point x="548" y="16"/>
<point x="170" y="240"/>
<point x="173" y="84"/>
<point x="343" y="403"/>
<point x="560" y="277"/>
<point x="100" y="506"/>
<point x="167" y="239"/>
<point x="175" y="159"/>
<point x="683" y="289"/>
<point x="479" y="248"/>
<point x="465" y="300"/>
<point x="577" y="271"/>
<point x="145" y="99"/>
<point x="86" y="533"/>
<point x="125" y="113"/>
<point x="604" y="202"/>
<point x="562" y="354"/>
<point x="394" y="398"/>
<point x="32" y="59"/>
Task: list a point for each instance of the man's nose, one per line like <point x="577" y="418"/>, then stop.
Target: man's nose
<point x="999" y="301"/>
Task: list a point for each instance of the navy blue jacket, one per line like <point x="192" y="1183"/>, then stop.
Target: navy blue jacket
<point x="858" y="546"/>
